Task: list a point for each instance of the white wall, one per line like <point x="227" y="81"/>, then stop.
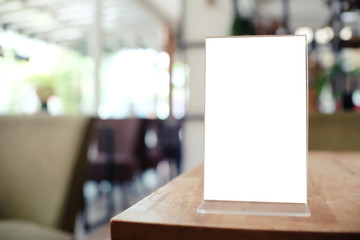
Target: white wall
<point x="201" y="20"/>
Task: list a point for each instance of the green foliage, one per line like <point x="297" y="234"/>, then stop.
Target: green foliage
<point x="64" y="80"/>
<point x="242" y="26"/>
<point x="41" y="80"/>
<point x="326" y="76"/>
<point x="321" y="80"/>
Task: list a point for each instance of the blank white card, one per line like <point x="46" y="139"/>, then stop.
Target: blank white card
<point x="256" y="119"/>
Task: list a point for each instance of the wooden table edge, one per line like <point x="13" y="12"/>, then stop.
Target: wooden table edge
<point x="123" y="230"/>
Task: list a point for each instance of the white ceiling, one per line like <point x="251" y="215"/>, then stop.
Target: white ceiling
<point x="71" y="22"/>
<point x="130" y="23"/>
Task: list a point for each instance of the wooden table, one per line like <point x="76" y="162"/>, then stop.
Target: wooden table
<point x="170" y="212"/>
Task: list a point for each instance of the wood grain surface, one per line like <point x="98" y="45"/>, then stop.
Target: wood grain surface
<point x="170" y="212"/>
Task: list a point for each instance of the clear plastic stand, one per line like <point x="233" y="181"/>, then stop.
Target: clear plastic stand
<point x="254" y="208"/>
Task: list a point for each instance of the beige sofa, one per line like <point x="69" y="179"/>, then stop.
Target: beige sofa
<point x="42" y="168"/>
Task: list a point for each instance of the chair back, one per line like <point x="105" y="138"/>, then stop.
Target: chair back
<point x="128" y="134"/>
<point x="42" y="168"/>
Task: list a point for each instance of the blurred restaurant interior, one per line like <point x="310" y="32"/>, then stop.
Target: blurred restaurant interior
<point x="136" y="70"/>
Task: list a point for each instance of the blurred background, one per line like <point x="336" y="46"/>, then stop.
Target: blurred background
<point x="138" y="66"/>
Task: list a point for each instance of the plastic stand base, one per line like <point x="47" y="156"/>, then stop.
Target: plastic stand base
<point x="254" y="208"/>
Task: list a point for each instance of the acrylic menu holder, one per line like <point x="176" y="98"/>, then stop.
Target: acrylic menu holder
<point x="254" y="208"/>
<point x="256" y="126"/>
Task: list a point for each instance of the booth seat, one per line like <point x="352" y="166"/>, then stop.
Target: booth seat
<point x="335" y="132"/>
<point x="42" y="169"/>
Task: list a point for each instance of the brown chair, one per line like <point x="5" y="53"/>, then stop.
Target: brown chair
<point x="162" y="142"/>
<point x="126" y="147"/>
<point x="120" y="144"/>
<point x="42" y="169"/>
